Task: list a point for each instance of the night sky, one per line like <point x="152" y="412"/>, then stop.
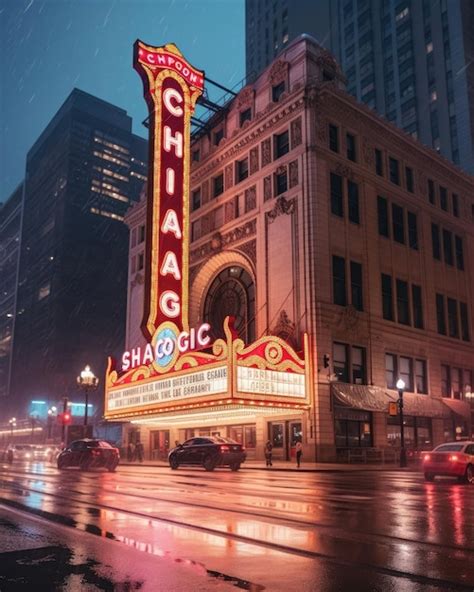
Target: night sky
<point x="48" y="47"/>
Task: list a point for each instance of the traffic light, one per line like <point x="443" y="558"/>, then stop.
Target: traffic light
<point x="65" y="418"/>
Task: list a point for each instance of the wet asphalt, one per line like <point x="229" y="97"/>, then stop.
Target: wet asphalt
<point x="255" y="530"/>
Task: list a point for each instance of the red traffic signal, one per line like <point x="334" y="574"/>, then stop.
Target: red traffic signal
<point x="65" y="418"/>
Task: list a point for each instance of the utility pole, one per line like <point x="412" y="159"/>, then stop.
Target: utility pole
<point x="63" y="433"/>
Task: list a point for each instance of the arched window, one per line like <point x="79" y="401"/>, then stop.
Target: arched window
<point x="232" y="293"/>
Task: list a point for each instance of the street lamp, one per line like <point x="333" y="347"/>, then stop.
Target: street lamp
<point x="403" y="452"/>
<point x="12" y="423"/>
<point x="88" y="382"/>
<point x="51" y="415"/>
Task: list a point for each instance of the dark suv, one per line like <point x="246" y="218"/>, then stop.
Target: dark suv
<point x="88" y="454"/>
<point x="209" y="452"/>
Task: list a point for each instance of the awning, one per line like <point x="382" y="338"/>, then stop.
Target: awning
<point x="374" y="398"/>
<point x="358" y="396"/>
<point x="461" y="408"/>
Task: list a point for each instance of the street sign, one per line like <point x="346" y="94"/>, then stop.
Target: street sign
<point x="393" y="409"/>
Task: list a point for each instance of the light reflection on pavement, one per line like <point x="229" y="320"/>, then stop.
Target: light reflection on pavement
<point x="385" y="529"/>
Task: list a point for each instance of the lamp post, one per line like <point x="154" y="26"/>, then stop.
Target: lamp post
<point x="51" y="415"/>
<point x="403" y="452"/>
<point x="88" y="382"/>
<point x="12" y="423"/>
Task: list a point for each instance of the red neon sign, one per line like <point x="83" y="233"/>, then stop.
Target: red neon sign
<point x="171" y="89"/>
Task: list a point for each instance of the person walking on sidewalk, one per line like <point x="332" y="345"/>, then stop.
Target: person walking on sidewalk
<point x="268" y="453"/>
<point x="139" y="451"/>
<point x="299" y="453"/>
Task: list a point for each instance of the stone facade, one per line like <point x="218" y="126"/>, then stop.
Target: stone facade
<point x="282" y="224"/>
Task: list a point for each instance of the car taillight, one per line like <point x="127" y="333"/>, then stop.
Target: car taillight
<point x="225" y="449"/>
<point x="426" y="457"/>
<point x="242" y="447"/>
<point x="454" y="457"/>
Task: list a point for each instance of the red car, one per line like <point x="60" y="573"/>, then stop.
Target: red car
<point x="455" y="459"/>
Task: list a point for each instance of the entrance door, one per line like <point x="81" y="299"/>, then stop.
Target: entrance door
<point x="160" y="444"/>
<point x="284" y="435"/>
<point x="295" y="435"/>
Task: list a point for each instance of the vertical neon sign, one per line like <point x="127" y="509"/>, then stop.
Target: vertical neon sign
<point x="171" y="89"/>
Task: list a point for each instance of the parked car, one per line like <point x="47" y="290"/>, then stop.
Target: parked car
<point x="89" y="454"/>
<point x="209" y="452"/>
<point x="454" y="459"/>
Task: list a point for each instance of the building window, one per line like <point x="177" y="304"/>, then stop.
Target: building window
<point x="353" y="200"/>
<point x="341" y="362"/>
<point x="141" y="234"/>
<point x="277" y="91"/>
<point x="44" y="291"/>
<point x="440" y="314"/>
<point x="453" y="325"/>
<point x="245" y="115"/>
<point x="456" y="383"/>
<point x="242" y="169"/>
<point x="443" y="198"/>
<point x="409" y="179"/>
<point x="403" y="305"/>
<point x="196" y="199"/>
<point x="141" y="261"/>
<point x="435" y="242"/>
<point x="431" y="192"/>
<point x="281" y="144"/>
<point x="448" y="247"/>
<point x="196" y="155"/>
<point x="281" y="183"/>
<point x="356" y="286"/>
<point x="405" y="372"/>
<point x="417" y="306"/>
<point x="387" y="297"/>
<point x="339" y="280"/>
<point x="333" y="138"/>
<point x="412" y="231"/>
<point x="459" y="252"/>
<point x="445" y="381"/>
<point x="382" y="215"/>
<point x="358" y="365"/>
<point x="398" y="226"/>
<point x="465" y="334"/>
<point x="351" y="147"/>
<point x="218" y="135"/>
<point x="456" y="205"/>
<point x="378" y="162"/>
<point x="391" y="370"/>
<point x="420" y="377"/>
<point x="218" y="185"/>
<point x="394" y="171"/>
<point x="337" y="206"/>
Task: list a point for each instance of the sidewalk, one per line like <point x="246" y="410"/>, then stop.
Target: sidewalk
<point x="309" y="467"/>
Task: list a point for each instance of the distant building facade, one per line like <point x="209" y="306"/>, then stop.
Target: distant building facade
<point x="10" y="230"/>
<point x="81" y="175"/>
<point x="411" y="61"/>
<point x="311" y="214"/>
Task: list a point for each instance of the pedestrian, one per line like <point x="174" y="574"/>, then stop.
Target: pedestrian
<point x="268" y="453"/>
<point x="130" y="451"/>
<point x="139" y="451"/>
<point x="299" y="453"/>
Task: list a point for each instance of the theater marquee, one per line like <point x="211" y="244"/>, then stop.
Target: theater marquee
<point x="172" y="372"/>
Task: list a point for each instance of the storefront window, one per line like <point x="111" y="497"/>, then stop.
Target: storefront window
<point x="237" y="434"/>
<point x="418" y="434"/>
<point x="296" y="433"/>
<point x="352" y="428"/>
<point x="250" y="436"/>
<point x="277" y="435"/>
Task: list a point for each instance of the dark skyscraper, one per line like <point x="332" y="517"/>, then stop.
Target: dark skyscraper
<point x="411" y="60"/>
<point x="81" y="176"/>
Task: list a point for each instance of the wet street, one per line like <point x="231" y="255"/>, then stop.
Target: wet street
<point x="151" y="528"/>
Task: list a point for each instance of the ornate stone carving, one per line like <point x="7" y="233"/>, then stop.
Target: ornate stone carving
<point x="245" y="98"/>
<point x="284" y="328"/>
<point x="367" y="152"/>
<point x="229" y="176"/>
<point x="250" y="250"/>
<point x="267" y="188"/>
<point x="295" y="132"/>
<point x="253" y="157"/>
<point x="235" y="235"/>
<point x="322" y="129"/>
<point x="216" y="242"/>
<point x="205" y="224"/>
<point x="344" y="170"/>
<point x="282" y="206"/>
<point x="281" y="170"/>
<point x="278" y="72"/>
<point x="205" y="192"/>
<point x="230" y="209"/>
<point x="250" y="198"/>
<point x="293" y="166"/>
<point x="266" y="152"/>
